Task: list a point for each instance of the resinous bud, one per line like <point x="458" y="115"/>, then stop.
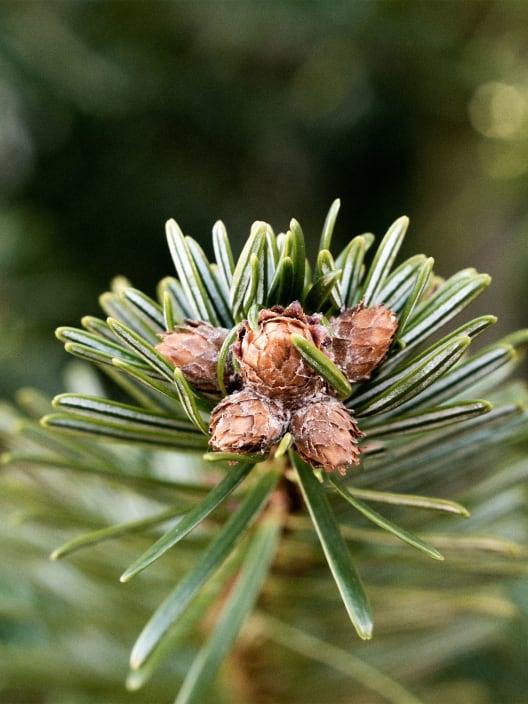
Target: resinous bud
<point x="361" y="338"/>
<point x="194" y="348"/>
<point x="247" y="422"/>
<point x="268" y="360"/>
<point x="325" y="434"/>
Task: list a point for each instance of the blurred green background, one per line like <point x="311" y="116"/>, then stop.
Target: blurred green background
<point x="115" y="116"/>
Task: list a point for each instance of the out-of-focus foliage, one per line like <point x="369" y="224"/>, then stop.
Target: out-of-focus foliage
<point x="115" y="116"/>
<point x="449" y="631"/>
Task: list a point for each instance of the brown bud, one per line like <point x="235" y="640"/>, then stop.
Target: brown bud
<point x="325" y="434"/>
<point x="361" y="339"/>
<point x="246" y="422"/>
<point x="268" y="360"/>
<point x="194" y="348"/>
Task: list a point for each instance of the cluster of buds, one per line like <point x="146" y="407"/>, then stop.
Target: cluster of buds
<point x="275" y="390"/>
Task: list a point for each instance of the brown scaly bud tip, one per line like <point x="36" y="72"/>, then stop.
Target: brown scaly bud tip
<point x="361" y="339"/>
<point x="268" y="360"/>
<point x="246" y="422"/>
<point x="194" y="348"/>
<point x="325" y="434"/>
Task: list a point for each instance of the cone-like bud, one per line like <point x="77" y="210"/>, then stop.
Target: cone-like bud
<point x="325" y="434"/>
<point x="194" y="348"/>
<point x="247" y="422"/>
<point x="361" y="339"/>
<point x="268" y="360"/>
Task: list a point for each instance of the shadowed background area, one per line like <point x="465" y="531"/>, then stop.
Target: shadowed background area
<point x="115" y="116"/>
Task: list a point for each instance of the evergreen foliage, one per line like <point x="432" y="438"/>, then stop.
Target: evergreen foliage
<point x="236" y="540"/>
